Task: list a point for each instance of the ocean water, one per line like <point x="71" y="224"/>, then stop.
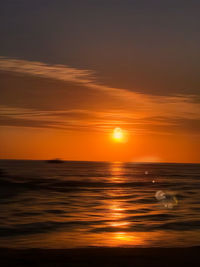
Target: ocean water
<point x="81" y="204"/>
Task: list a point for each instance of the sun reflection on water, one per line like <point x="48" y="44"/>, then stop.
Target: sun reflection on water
<point x="117" y="212"/>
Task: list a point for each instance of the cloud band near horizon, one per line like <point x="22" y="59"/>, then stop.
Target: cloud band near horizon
<point x="36" y="94"/>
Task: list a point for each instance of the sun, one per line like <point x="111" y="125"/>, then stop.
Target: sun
<point x="118" y="134"/>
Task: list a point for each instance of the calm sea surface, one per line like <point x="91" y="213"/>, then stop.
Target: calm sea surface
<point x="80" y="204"/>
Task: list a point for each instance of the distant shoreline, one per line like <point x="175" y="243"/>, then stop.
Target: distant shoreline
<point x="101" y="256"/>
<point x="101" y="161"/>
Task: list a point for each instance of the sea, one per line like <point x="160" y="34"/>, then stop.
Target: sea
<point x="98" y="204"/>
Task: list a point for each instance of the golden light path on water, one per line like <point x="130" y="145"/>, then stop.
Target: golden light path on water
<point x="109" y="216"/>
<point x="117" y="211"/>
<point x="115" y="216"/>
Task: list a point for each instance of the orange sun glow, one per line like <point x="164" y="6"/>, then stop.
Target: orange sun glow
<point x="118" y="134"/>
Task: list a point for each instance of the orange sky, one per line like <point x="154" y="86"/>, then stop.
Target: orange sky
<point x="29" y="143"/>
<point x="50" y="111"/>
<point x="71" y="72"/>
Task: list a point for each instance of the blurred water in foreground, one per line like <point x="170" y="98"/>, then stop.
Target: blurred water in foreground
<point x="80" y="204"/>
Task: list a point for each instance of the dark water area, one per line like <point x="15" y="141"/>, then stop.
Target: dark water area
<point x="83" y="204"/>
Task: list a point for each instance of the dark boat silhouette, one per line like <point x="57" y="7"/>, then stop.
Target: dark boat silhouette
<point x="55" y="161"/>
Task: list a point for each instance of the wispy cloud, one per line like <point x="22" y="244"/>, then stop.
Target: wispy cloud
<point x="91" y="105"/>
<point x="60" y="72"/>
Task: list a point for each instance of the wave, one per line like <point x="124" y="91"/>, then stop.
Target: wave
<point x="39" y="201"/>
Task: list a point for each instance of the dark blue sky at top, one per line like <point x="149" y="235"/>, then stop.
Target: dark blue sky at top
<point x="148" y="46"/>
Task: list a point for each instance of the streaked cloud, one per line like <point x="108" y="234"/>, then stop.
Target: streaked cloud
<point x="60" y="72"/>
<point x="71" y="99"/>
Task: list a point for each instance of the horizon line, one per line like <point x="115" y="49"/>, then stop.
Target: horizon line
<point x="104" y="161"/>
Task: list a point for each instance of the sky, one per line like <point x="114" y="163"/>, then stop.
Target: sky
<point x="72" y="71"/>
